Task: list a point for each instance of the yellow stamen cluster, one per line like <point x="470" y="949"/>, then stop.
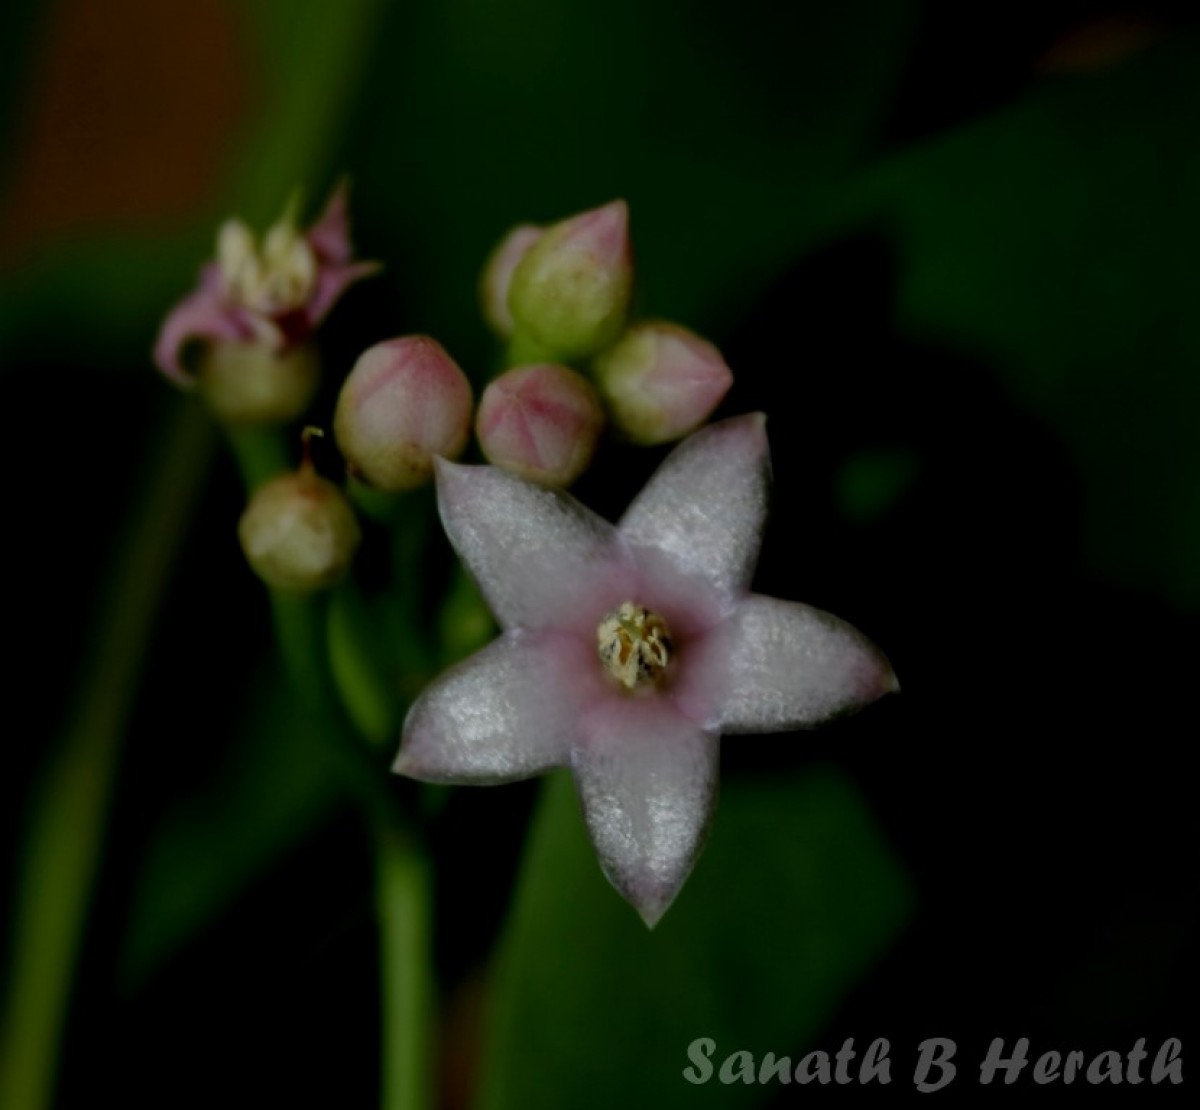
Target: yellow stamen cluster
<point x="277" y="277"/>
<point x="634" y="645"/>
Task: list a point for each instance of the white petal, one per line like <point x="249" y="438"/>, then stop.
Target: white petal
<point x="775" y="666"/>
<point x="647" y="779"/>
<point x="706" y="505"/>
<point x="508" y="712"/>
<point x="541" y="558"/>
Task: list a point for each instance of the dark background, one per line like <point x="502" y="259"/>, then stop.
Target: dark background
<point x="950" y="249"/>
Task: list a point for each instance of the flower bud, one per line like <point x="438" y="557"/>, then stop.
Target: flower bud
<point x="661" y="381"/>
<point x="299" y="532"/>
<point x="249" y="383"/>
<point x="570" y="294"/>
<point x="404" y="402"/>
<point x="497" y="276"/>
<point x="540" y="422"/>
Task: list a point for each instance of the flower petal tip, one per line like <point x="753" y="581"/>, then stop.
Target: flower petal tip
<point x="651" y="910"/>
<point x="402" y="764"/>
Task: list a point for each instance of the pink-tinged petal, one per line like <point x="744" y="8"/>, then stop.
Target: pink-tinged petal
<point x="541" y="558"/>
<point x="541" y="422"/>
<point x="200" y="315"/>
<point x="332" y="282"/>
<point x="775" y="666"/>
<point x="506" y="713"/>
<point x="705" y="506"/>
<point x="661" y="381"/>
<point x="329" y="237"/>
<point x="497" y="276"/>
<point x="647" y="781"/>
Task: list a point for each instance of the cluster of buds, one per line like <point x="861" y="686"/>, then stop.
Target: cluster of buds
<point x="560" y="298"/>
<point x="562" y="295"/>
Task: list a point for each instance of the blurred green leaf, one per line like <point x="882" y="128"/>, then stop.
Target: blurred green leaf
<point x="305" y="58"/>
<point x="871" y="482"/>
<point x="279" y="780"/>
<point x="1059" y="240"/>
<point x="483" y="115"/>
<point x="793" y="899"/>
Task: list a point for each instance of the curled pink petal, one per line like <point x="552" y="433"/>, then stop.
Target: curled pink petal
<point x="200" y="315"/>
<point x="216" y="309"/>
<point x="332" y="282"/>
<point x="329" y="236"/>
<point x="647" y="781"/>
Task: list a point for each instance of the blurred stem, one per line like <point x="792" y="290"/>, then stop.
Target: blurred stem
<point x="403" y="897"/>
<point x="364" y="691"/>
<point x="261" y="453"/>
<point x="325" y="645"/>
<point x="70" y="805"/>
<point x="524" y="350"/>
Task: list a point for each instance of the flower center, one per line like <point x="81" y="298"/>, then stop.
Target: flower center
<point x="634" y="645"/>
<point x="277" y="277"/>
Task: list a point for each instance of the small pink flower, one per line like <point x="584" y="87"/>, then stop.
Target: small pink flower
<point x="627" y="651"/>
<point x="273" y="294"/>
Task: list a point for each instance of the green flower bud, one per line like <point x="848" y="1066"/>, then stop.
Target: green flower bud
<point x="299" y="533"/>
<point x="249" y="383"/>
<point x="569" y="295"/>
<point x="661" y="381"/>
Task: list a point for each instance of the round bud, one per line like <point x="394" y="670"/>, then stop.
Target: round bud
<point x="540" y="422"/>
<point x="248" y="383"/>
<point x="497" y="276"/>
<point x="404" y="402"/>
<point x="570" y="294"/>
<point x="299" y="532"/>
<point x="661" y="381"/>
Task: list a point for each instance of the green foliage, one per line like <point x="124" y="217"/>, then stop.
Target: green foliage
<point x="795" y="896"/>
<point x="1057" y="240"/>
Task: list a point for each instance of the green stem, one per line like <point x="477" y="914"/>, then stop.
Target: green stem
<point x="324" y="645"/>
<point x="260" y="453"/>
<point x="402" y="892"/>
<point x="70" y="806"/>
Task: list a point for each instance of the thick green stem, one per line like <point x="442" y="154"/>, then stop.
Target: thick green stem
<point x="70" y="807"/>
<point x="402" y="894"/>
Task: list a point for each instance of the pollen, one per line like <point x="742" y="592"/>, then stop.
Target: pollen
<point x="634" y="645"/>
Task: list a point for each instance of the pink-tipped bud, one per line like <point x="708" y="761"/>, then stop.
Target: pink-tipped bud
<point x="497" y="276"/>
<point x="250" y="383"/>
<point x="540" y="422"/>
<point x="299" y="532"/>
<point x="661" y="381"/>
<point x="404" y="402"/>
<point x="569" y="295"/>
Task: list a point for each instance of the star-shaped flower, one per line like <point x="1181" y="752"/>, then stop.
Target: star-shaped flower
<point x="274" y="293"/>
<point x="628" y="650"/>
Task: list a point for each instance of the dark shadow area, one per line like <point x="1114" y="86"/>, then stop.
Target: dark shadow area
<point x="1033" y="772"/>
